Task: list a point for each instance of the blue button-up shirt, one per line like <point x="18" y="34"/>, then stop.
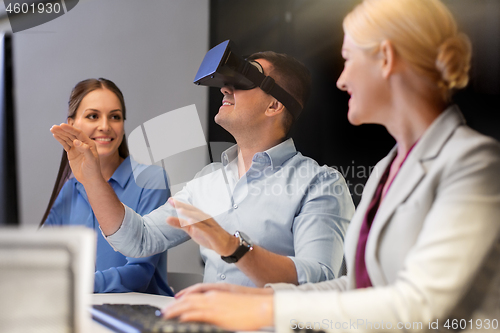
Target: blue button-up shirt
<point x="114" y="271"/>
<point x="286" y="203"/>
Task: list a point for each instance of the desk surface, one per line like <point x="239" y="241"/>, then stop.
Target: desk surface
<point x="127" y="298"/>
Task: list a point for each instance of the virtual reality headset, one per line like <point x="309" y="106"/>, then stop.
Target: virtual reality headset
<point x="222" y="67"/>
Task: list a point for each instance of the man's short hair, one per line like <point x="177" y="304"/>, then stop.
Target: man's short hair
<point x="291" y="75"/>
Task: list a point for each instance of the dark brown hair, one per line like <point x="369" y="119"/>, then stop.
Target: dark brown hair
<point x="291" y="75"/>
<point x="81" y="90"/>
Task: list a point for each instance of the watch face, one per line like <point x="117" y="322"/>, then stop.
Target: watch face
<point x="246" y="240"/>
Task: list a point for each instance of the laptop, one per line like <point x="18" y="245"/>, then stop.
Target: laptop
<point x="46" y="279"/>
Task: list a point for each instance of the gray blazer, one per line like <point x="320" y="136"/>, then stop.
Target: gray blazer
<point x="433" y="251"/>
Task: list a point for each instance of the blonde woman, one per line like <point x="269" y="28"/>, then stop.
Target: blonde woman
<point x="423" y="243"/>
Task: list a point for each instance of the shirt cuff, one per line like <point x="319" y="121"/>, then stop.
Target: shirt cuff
<point x="120" y="235"/>
<point x="98" y="281"/>
<point x="309" y="271"/>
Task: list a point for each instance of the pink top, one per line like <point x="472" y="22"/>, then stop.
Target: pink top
<point x="362" y="278"/>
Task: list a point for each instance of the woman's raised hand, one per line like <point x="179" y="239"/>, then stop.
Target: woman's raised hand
<point x="82" y="153"/>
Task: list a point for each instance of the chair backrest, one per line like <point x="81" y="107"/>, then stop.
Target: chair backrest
<point x="179" y="281"/>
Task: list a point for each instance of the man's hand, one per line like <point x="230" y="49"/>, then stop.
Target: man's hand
<point x="203" y="229"/>
<point x="82" y="153"/>
<point x="200" y="288"/>
<point x="260" y="265"/>
<point x="235" y="312"/>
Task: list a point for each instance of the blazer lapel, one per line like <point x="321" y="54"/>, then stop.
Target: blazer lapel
<point x="407" y="179"/>
<point x="351" y="240"/>
<point x="409" y="176"/>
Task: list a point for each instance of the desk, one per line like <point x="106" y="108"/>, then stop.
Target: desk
<point x="128" y="298"/>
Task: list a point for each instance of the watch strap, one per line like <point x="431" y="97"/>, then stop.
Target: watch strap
<point x="233" y="258"/>
<point x="245" y="246"/>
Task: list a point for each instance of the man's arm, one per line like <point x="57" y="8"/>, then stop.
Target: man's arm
<point x="318" y="234"/>
<point x="318" y="238"/>
<point x="260" y="265"/>
<point x="84" y="162"/>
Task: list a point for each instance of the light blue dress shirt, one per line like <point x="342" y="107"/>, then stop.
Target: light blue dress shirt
<point x="286" y="203"/>
<point x="115" y="272"/>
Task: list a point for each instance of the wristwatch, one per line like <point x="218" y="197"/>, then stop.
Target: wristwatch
<point x="245" y="246"/>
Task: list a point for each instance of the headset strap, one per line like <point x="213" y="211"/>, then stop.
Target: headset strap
<point x="269" y="86"/>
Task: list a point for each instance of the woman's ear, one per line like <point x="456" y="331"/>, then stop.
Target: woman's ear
<point x="70" y="121"/>
<point x="388" y="55"/>
<point x="275" y="108"/>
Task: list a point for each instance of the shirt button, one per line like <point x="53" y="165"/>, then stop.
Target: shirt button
<point x="223" y="277"/>
<point x="235" y="206"/>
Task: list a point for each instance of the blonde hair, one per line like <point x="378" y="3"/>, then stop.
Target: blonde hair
<point x="423" y="32"/>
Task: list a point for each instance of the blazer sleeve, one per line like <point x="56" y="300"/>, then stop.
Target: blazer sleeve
<point x="339" y="284"/>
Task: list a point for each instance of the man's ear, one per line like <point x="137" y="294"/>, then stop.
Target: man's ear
<point x="275" y="108"/>
<point x="71" y="121"/>
<point x="388" y="58"/>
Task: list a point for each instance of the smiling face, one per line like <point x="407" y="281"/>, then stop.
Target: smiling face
<point x="99" y="115"/>
<point x="244" y="109"/>
<point x="363" y="80"/>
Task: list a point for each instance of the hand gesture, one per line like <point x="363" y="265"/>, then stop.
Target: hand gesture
<point x="82" y="153"/>
<point x="202" y="228"/>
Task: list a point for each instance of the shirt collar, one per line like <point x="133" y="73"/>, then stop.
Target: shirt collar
<point x="123" y="172"/>
<point x="121" y="176"/>
<point x="278" y="154"/>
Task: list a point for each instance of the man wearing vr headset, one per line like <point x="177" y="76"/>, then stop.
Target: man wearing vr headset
<point x="287" y="217"/>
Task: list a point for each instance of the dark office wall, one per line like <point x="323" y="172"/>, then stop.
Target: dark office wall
<point x="311" y="31"/>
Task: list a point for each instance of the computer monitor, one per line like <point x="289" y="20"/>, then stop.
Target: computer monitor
<point x="46" y="279"/>
<point x="8" y="178"/>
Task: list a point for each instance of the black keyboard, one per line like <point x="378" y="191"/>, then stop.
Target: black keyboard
<point x="144" y="318"/>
